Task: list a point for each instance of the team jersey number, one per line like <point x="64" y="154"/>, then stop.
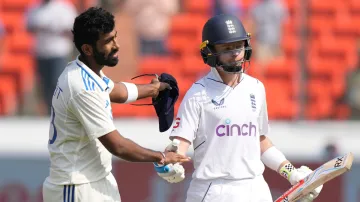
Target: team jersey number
<point x="52" y="140"/>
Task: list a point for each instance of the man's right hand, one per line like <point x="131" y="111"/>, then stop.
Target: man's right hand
<point x="172" y="157"/>
<point x="159" y="86"/>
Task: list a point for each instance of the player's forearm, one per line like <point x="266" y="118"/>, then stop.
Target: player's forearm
<point x="274" y="158"/>
<point x="131" y="151"/>
<point x="127" y="149"/>
<point x="270" y="155"/>
<point x="147" y="90"/>
<point x="128" y="92"/>
<point x="183" y="146"/>
<point x="265" y="143"/>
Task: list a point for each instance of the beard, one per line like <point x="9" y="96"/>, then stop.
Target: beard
<point x="100" y="58"/>
<point x="235" y="63"/>
<point x="232" y="67"/>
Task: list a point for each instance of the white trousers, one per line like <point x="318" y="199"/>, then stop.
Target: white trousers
<point x="220" y="190"/>
<point x="103" y="190"/>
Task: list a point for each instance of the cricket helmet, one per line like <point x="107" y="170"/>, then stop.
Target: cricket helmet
<point x="223" y="29"/>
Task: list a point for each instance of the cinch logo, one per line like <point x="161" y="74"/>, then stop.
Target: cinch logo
<point x="229" y="129"/>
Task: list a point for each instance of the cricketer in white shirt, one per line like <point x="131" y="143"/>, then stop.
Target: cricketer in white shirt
<point x="224" y="115"/>
<point x="82" y="108"/>
<point x="81" y="112"/>
<point x="82" y="135"/>
<point x="80" y="164"/>
<point x="225" y="124"/>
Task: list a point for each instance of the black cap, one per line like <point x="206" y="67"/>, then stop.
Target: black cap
<point x="165" y="101"/>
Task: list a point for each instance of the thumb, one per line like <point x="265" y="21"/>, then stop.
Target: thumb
<point x="154" y="80"/>
<point x="165" y="86"/>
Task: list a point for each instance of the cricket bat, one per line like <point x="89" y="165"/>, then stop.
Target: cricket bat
<point x="321" y="175"/>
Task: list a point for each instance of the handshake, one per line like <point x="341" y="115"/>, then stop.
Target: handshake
<point x="172" y="173"/>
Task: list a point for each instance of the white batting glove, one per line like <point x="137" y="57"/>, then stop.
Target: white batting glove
<point x="172" y="173"/>
<point x="299" y="174"/>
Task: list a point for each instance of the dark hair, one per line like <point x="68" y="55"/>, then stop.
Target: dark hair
<point x="90" y="24"/>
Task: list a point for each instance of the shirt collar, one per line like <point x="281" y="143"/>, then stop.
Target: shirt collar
<point x="214" y="75"/>
<point x="102" y="81"/>
<point x="217" y="89"/>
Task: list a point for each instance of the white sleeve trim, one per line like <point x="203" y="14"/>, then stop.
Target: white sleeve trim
<point x="101" y="133"/>
<point x="186" y="137"/>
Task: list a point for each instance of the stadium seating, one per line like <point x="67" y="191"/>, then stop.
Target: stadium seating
<point x="17" y="68"/>
<point x="330" y="50"/>
<point x="16" y="65"/>
<point x="8" y="94"/>
<point x="332" y="55"/>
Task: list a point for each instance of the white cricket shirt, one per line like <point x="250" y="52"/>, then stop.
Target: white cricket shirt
<point x="81" y="113"/>
<point x="224" y="124"/>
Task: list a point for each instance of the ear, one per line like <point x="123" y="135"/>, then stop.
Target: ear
<point x="87" y="49"/>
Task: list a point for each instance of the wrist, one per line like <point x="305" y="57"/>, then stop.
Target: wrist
<point x="162" y="158"/>
<point x="154" y="90"/>
<point x="287" y="171"/>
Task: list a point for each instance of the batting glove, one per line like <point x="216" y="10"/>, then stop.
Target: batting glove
<point x="299" y="174"/>
<point x="172" y="173"/>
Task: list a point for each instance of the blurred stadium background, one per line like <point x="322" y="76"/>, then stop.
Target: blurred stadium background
<point x="311" y="74"/>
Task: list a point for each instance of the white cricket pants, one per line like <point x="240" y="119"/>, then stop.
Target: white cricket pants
<point x="103" y="190"/>
<point x="221" y="190"/>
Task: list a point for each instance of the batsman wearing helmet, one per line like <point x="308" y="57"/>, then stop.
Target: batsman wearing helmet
<point x="224" y="115"/>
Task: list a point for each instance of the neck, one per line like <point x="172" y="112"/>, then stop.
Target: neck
<point x="91" y="64"/>
<point x="229" y="79"/>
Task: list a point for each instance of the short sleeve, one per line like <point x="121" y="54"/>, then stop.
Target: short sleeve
<point x="111" y="85"/>
<point x="108" y="81"/>
<point x="92" y="111"/>
<point x="263" y="117"/>
<point x="187" y="120"/>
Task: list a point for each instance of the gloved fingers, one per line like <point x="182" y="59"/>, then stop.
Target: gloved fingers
<point x="163" y="168"/>
<point x="175" y="178"/>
